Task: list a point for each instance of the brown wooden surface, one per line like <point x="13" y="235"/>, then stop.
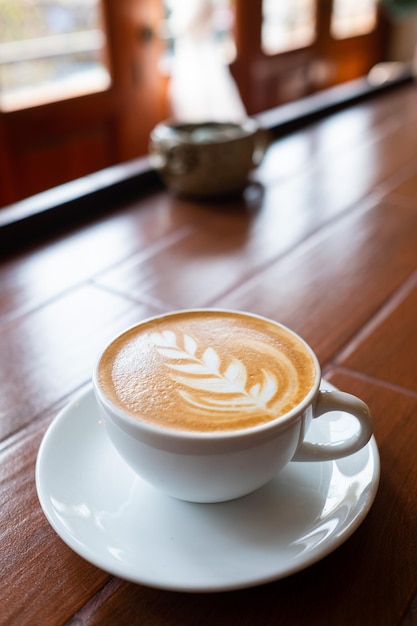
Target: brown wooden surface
<point x="326" y="242"/>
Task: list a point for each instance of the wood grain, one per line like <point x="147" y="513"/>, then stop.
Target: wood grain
<point x="384" y="351"/>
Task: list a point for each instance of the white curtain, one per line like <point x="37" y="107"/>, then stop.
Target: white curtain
<point x="202" y="87"/>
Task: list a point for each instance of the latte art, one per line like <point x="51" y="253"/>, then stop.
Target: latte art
<point x="207" y="371"/>
<point x="215" y="388"/>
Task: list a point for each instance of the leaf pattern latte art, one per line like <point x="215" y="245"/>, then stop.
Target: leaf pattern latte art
<point x="204" y="373"/>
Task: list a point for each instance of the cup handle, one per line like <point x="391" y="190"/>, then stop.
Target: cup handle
<point x="337" y="401"/>
<point x="174" y="159"/>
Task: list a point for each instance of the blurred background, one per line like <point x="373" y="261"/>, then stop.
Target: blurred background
<point x="83" y="82"/>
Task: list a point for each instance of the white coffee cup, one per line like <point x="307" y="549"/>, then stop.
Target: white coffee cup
<point x="165" y="361"/>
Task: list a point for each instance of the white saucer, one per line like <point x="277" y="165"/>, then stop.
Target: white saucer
<point x="116" y="521"/>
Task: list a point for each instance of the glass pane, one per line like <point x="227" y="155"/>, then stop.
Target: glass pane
<point x="50" y="50"/>
<point x="193" y="19"/>
<point x="351" y="18"/>
<point x="287" y="25"/>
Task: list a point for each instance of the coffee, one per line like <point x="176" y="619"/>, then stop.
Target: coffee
<point x="207" y="371"/>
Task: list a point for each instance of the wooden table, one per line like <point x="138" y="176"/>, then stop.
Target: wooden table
<point x="325" y="242"/>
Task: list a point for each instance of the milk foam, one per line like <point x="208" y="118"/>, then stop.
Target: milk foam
<point x="207" y="371"/>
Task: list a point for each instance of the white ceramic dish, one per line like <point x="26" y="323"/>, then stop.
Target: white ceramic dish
<point x="114" y="520"/>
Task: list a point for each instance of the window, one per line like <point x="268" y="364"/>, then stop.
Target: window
<point x="351" y="18"/>
<point x="190" y="18"/>
<point x="287" y="25"/>
<point x="50" y="50"/>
